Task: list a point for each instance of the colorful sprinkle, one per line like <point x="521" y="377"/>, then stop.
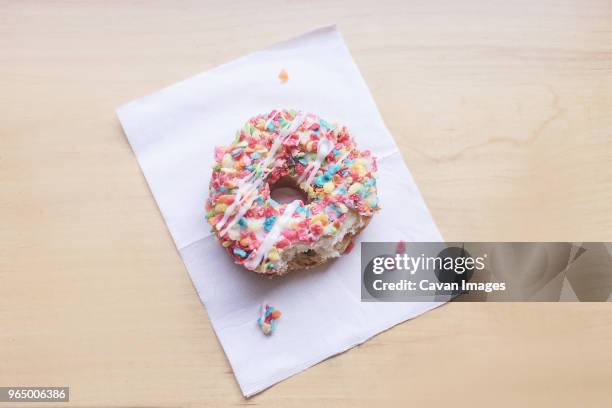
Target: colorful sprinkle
<point x="242" y="223"/>
<point x="240" y="252"/>
<point x="283" y="76"/>
<point x="268" y="316"/>
<point x="269" y="222"/>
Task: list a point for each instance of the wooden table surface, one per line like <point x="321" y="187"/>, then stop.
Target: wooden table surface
<point x="502" y="110"/>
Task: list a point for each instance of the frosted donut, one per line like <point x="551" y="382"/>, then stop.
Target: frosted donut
<point x="315" y="156"/>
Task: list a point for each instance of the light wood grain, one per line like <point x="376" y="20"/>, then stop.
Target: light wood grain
<point x="502" y="111"/>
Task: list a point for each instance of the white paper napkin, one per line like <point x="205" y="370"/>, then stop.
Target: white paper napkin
<point x="173" y="133"/>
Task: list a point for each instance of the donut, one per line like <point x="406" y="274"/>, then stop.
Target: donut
<point x="301" y="150"/>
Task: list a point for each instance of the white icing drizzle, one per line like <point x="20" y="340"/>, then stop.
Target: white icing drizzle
<point x="323" y="148"/>
<point x="243" y="187"/>
<point x="282" y="135"/>
<point x="272" y="237"/>
<point x="271" y="119"/>
<point x="248" y="187"/>
<point x="244" y="207"/>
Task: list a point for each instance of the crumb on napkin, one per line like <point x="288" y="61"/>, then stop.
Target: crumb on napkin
<point x="267" y="319"/>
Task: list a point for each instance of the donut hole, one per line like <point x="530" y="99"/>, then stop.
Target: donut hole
<point x="286" y="190"/>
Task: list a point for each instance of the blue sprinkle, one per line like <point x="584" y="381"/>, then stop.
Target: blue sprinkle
<point x="333" y="169"/>
<point x="322" y="179"/>
<point x="336" y="152"/>
<point x="373" y="202"/>
<point x="273" y="203"/>
<point x="269" y="222"/>
<point x="250" y="167"/>
<point x="336" y="209"/>
<point x="243" y="223"/>
<point x="342" y="190"/>
<point x="324" y="124"/>
<point x="259" y="200"/>
<point x="270" y="125"/>
<point x="255" y="155"/>
<point x="302" y="161"/>
<point x="237" y="151"/>
<point x="370" y="182"/>
<point x="345" y="172"/>
<point x="223" y="189"/>
<point x="240" y="252"/>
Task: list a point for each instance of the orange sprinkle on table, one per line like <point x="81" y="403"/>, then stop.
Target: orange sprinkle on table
<point x="283" y="76"/>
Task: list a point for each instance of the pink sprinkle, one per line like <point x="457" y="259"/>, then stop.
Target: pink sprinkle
<point x="284" y="242"/>
<point x="290" y="234"/>
<point x="219" y="152"/>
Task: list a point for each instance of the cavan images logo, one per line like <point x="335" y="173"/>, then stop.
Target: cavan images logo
<point x="412" y="272"/>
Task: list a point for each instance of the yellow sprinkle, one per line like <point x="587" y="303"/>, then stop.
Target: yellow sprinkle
<point x="227" y="162"/>
<point x="354" y="188"/>
<point x="372" y="200"/>
<point x="234" y="233"/>
<point x="359" y="169"/>
<point x="321" y="217"/>
<point x="255" y="224"/>
<point x="220" y="207"/>
<point x="328" y="187"/>
<point x="226" y="243"/>
<point x="273" y="255"/>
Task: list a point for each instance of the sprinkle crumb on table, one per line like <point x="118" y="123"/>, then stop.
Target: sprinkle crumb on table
<point x="283" y="76"/>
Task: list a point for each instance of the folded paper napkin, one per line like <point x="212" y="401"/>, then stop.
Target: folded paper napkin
<point x="173" y="133"/>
